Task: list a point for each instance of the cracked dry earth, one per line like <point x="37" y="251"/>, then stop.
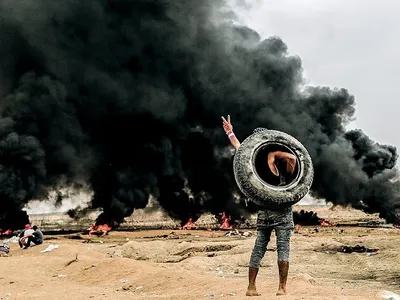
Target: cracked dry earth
<point x="201" y="265"/>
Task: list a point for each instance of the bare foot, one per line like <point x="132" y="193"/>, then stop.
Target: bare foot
<point x="281" y="292"/>
<point x="252" y="293"/>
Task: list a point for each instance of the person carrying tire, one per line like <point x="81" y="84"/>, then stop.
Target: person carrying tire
<point x="281" y="164"/>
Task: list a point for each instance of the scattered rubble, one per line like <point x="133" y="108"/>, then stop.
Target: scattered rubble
<point x="357" y="249"/>
<point x="4" y="250"/>
<point x="92" y="241"/>
<point x="211" y="295"/>
<point x="171" y="236"/>
<point x="236" y="232"/>
<point x="330" y="249"/>
<point x="13" y="240"/>
<point x="90" y="267"/>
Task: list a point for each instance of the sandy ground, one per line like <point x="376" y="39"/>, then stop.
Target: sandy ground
<point x="203" y="265"/>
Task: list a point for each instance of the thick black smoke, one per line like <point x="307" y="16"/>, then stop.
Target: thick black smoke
<point x="306" y="218"/>
<point x="126" y="97"/>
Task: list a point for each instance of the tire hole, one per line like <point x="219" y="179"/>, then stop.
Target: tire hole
<point x="263" y="171"/>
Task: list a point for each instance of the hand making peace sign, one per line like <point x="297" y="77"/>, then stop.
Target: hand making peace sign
<point x="227" y="124"/>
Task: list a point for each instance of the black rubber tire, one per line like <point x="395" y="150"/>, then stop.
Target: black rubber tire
<point x="257" y="190"/>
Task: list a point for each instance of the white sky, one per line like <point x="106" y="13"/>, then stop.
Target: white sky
<point x="354" y="44"/>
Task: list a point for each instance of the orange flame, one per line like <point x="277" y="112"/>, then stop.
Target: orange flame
<point x="7" y="232"/>
<point x="324" y="222"/>
<point x="103" y="229"/>
<point x="225" y="225"/>
<point x="189" y="225"/>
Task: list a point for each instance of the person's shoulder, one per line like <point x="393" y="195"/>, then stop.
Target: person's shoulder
<point x="272" y="153"/>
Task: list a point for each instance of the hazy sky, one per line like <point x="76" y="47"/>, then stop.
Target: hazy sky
<point x="353" y="44"/>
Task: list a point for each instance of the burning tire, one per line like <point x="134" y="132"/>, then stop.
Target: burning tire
<point x="255" y="179"/>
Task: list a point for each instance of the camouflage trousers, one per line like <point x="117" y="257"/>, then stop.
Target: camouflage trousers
<point x="267" y="221"/>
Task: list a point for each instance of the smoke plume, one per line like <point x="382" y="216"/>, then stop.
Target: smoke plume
<point x="125" y="97"/>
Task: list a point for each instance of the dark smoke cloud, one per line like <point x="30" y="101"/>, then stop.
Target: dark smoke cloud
<point x="126" y="96"/>
<point x="306" y="218"/>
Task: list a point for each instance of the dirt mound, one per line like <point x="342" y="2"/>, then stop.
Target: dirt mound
<point x="201" y="265"/>
<point x="168" y="251"/>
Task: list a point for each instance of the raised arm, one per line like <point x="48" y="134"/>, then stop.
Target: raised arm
<point x="271" y="163"/>
<point x="229" y="132"/>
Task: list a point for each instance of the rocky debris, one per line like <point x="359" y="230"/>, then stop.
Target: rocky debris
<point x="236" y="232"/>
<point x="331" y="249"/>
<point x="4" y="250"/>
<point x="170" y="236"/>
<point x="357" y="248"/>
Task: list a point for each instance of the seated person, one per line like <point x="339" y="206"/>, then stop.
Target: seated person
<point x="36" y="237"/>
<point x="24" y="233"/>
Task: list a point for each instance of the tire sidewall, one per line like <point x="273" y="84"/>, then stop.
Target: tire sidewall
<point x="254" y="187"/>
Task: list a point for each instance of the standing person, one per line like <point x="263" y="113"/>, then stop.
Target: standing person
<point x="36" y="237"/>
<point x="281" y="220"/>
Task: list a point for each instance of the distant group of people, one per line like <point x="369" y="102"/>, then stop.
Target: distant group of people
<point x="30" y="235"/>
